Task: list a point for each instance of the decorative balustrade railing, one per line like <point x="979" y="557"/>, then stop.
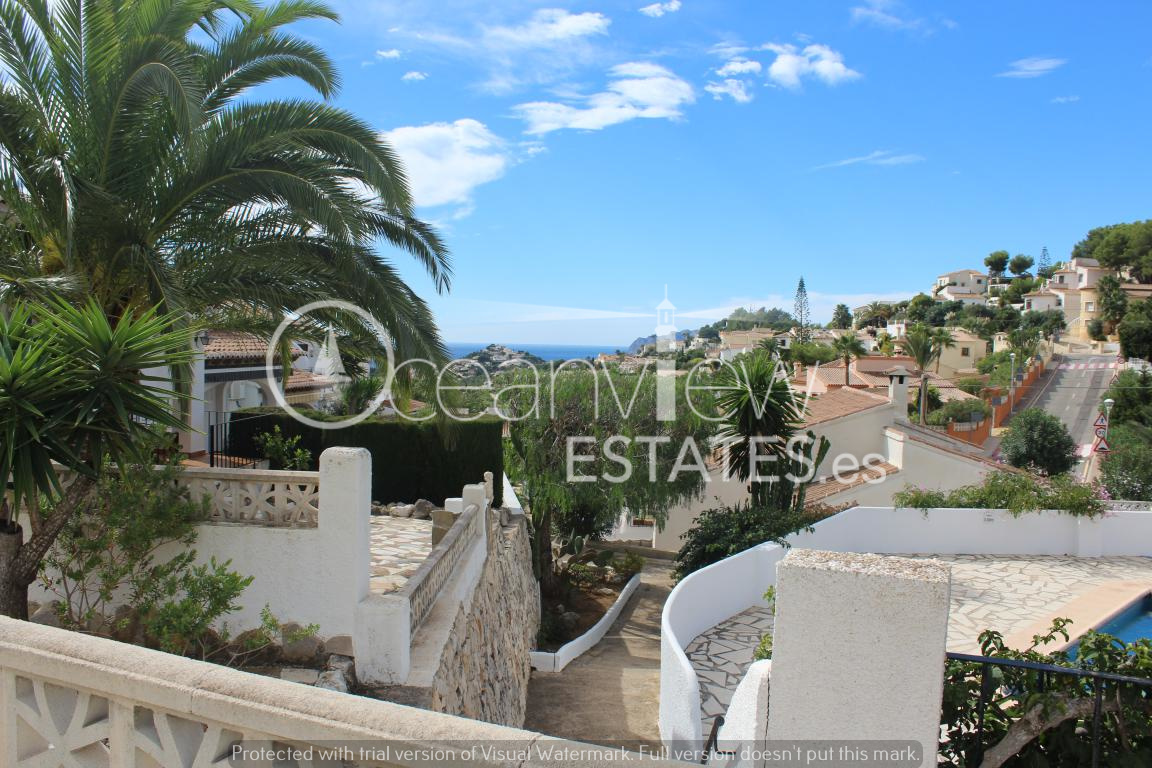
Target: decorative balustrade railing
<point x="425" y="585"/>
<point x="269" y="498"/>
<point x="69" y="699"/>
<point x="259" y="497"/>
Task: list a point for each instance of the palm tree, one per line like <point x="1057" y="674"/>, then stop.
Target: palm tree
<point x="71" y="393"/>
<point x="139" y="169"/>
<point x="877" y="310"/>
<point x="848" y="347"/>
<point x="760" y="415"/>
<point x="919" y="345"/>
<point x="942" y="339"/>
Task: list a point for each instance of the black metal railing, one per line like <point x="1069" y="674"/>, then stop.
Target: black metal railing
<point x="223" y="450"/>
<point x="710" y="746"/>
<point x="1003" y="681"/>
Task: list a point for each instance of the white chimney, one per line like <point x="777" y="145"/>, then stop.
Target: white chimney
<point x="898" y="391"/>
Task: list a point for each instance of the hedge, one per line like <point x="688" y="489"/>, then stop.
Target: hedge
<point x="410" y="461"/>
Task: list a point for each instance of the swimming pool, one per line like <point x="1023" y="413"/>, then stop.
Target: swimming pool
<point x="1132" y="623"/>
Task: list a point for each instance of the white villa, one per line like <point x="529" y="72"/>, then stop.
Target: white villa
<point x="969" y="286"/>
<point x="875" y="452"/>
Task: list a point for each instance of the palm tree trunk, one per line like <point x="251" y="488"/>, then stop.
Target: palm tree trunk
<point x="847" y="362"/>
<point x="923" y="399"/>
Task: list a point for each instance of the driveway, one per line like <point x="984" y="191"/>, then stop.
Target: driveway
<point x="611" y="694"/>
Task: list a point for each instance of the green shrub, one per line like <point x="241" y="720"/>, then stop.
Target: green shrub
<point x="283" y="452"/>
<point x="110" y="552"/>
<point x="582" y="575"/>
<point x="1125" y="731"/>
<point x="972" y="385"/>
<point x="1096" y="330"/>
<point x="180" y="610"/>
<point x="764" y="647"/>
<point x="410" y="460"/>
<point x="1017" y="492"/>
<point x="628" y="564"/>
<point x="112" y="547"/>
<point x="1131" y="393"/>
<point x="1127" y="471"/>
<point x="1038" y="441"/>
<point x="723" y="532"/>
<point x="962" y="411"/>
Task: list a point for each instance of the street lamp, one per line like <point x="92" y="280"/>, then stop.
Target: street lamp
<point x="1108" y="403"/>
<point x="1012" y="383"/>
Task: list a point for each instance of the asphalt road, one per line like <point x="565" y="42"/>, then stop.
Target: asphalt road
<point x="1073" y="393"/>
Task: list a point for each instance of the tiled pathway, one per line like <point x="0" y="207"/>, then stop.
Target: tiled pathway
<point x="399" y="546"/>
<point x="722" y="656"/>
<point x="1006" y="593"/>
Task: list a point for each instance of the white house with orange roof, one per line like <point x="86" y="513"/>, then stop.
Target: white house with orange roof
<point x="1072" y="290"/>
<point x="874" y="453"/>
<point x="967" y="285"/>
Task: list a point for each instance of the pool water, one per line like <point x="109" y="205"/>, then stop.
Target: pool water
<point x="1133" y="623"/>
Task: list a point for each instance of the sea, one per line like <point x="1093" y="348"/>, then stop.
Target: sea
<point x="542" y="351"/>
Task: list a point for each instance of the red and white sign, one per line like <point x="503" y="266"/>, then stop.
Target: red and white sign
<point x="1101" y="421"/>
<point x="1103" y="447"/>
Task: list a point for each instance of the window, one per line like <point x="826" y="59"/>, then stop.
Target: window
<point x="965" y="352"/>
<point x="1089" y="306"/>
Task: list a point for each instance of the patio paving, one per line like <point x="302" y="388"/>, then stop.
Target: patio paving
<point x="1011" y="594"/>
<point x="399" y="546"/>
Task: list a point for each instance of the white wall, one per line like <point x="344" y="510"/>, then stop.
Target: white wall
<point x="711" y="595"/>
<point x="856" y="435"/>
<point x="307" y="575"/>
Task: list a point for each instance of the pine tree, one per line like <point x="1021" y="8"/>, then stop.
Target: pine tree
<point x="800" y="313"/>
<point x="1044" y="265"/>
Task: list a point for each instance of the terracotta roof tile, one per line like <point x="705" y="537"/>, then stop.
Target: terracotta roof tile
<point x="832" y="486"/>
<point x="837" y="403"/>
<point x="236" y="346"/>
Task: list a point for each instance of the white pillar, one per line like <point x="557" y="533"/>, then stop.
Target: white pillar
<point x="858" y="648"/>
<point x="344" y="524"/>
<point x="194" y="440"/>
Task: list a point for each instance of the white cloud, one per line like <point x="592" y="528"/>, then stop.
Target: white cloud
<point x="793" y="64"/>
<point x="736" y="89"/>
<point x="548" y="26"/>
<point x="542" y="49"/>
<point x="415" y="76"/>
<point x="890" y="14"/>
<point x="637" y="90"/>
<point x="445" y="162"/>
<point x="740" y="67"/>
<point x="1033" y="66"/>
<point x="881" y="13"/>
<point x="1065" y="99"/>
<point x="656" y="10"/>
<point x="392" y="53"/>
<point x="879" y="157"/>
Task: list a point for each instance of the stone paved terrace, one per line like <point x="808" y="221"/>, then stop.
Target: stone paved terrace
<point x="1011" y="594"/>
<point x="399" y="546"/>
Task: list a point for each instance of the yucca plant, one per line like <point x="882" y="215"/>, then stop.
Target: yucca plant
<point x="74" y="394"/>
<point x="140" y="166"/>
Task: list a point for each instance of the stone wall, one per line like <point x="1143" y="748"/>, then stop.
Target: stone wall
<point x="482" y="672"/>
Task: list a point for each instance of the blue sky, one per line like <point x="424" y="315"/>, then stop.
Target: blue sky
<point x="581" y="156"/>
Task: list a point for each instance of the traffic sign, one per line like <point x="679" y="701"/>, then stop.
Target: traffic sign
<point x="1103" y="447"/>
<point x="1101" y="432"/>
<point x="1101" y="420"/>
